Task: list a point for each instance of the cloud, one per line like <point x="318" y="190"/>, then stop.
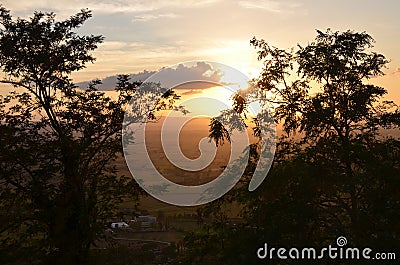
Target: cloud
<point x="66" y="8"/>
<point x="147" y="17"/>
<point x="268" y="5"/>
<point x="121" y="45"/>
<point x="196" y="74"/>
<point x="109" y="82"/>
<point x="171" y="76"/>
<point x="129" y="6"/>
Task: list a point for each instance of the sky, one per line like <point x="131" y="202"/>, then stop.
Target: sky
<point x="149" y="35"/>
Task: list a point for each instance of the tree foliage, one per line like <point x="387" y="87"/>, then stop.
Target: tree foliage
<point x="336" y="172"/>
<point x="58" y="143"/>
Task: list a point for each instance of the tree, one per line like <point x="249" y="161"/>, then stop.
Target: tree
<point x="339" y="121"/>
<point x="58" y="142"/>
<point x="334" y="173"/>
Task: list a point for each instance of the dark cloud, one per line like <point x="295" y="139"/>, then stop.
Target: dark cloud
<point x="194" y="77"/>
<point x="200" y="75"/>
<point x="109" y="83"/>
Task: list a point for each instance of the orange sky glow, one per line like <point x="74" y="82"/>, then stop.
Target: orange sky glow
<point x="149" y="35"/>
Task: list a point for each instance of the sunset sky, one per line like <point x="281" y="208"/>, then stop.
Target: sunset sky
<point x="148" y="35"/>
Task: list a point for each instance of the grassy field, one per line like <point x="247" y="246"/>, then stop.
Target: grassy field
<point x="167" y="236"/>
<point x="180" y="219"/>
<point x="154" y="206"/>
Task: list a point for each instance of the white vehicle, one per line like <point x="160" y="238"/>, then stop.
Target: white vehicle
<point x="119" y="225"/>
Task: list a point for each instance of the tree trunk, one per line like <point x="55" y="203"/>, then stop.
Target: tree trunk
<point x="70" y="229"/>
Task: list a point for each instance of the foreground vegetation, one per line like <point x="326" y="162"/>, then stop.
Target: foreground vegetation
<point x="333" y="174"/>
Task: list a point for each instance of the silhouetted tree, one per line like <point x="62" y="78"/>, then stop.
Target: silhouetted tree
<point x="338" y="115"/>
<point x="57" y="142"/>
<point x="334" y="172"/>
